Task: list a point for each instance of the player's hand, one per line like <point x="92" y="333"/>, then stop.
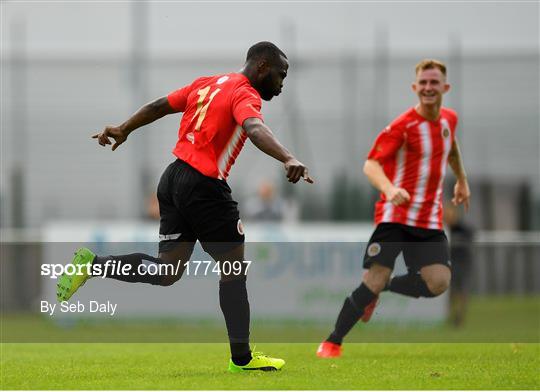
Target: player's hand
<point x="397" y="196"/>
<point x="115" y="133"/>
<point x="462" y="194"/>
<point x="296" y="170"/>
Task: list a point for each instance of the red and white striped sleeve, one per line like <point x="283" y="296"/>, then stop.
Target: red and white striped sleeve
<point x="388" y="142"/>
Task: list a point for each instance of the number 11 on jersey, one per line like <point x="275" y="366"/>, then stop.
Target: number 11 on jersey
<point x="200" y="114"/>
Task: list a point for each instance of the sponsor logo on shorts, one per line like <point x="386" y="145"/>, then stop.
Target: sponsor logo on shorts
<point x="240" y="227"/>
<point x="374" y="249"/>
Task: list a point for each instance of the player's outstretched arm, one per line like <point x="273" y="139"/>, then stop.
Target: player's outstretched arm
<point x="145" y="115"/>
<point x="264" y="140"/>
<point x="376" y="176"/>
<point x="462" y="192"/>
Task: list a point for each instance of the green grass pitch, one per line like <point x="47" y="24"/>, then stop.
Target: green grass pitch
<point x="72" y="366"/>
<point x="420" y="363"/>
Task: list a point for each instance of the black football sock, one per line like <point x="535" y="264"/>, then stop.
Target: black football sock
<point x="233" y="300"/>
<point x="411" y="285"/>
<point x="115" y="267"/>
<point x="352" y="310"/>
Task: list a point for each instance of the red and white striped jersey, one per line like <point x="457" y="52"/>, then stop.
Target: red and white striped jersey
<point x="211" y="134"/>
<point x="414" y="154"/>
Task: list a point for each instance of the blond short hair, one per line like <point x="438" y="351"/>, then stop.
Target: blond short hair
<point x="430" y="64"/>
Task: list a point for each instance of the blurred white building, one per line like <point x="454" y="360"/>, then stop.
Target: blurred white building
<point x="69" y="69"/>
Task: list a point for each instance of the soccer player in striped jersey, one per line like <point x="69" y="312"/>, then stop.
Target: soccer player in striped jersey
<point x="219" y="113"/>
<point x="407" y="164"/>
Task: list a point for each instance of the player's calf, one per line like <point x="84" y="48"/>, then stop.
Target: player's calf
<point x="233" y="301"/>
<point x="354" y="306"/>
<point x="376" y="278"/>
<point x="132" y="268"/>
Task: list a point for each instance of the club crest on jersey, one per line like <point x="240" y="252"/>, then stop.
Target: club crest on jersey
<point x="374" y="249"/>
<point x="240" y="227"/>
<point x="445" y="132"/>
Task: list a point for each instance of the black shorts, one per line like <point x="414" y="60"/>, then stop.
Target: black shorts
<point x="420" y="247"/>
<point x="194" y="207"/>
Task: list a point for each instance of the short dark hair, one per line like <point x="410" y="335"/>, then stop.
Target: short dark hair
<point x="264" y="50"/>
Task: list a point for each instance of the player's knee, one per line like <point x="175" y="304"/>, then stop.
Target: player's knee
<point x="171" y="276"/>
<point x="376" y="286"/>
<point x="376" y="279"/>
<point x="438" y="285"/>
<point x="169" y="280"/>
